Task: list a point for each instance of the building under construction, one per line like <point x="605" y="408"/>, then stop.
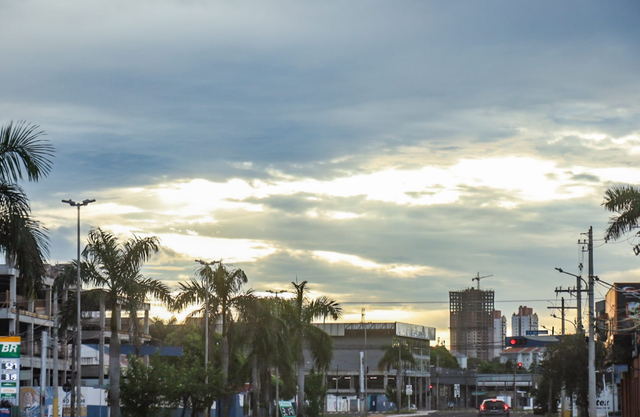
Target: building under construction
<point x="471" y="319"/>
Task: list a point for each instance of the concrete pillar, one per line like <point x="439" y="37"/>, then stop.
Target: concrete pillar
<point x="15" y="327"/>
<point x="32" y="345"/>
<point x="47" y="301"/>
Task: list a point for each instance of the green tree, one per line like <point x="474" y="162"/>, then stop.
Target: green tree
<point x="144" y="389"/>
<point x="193" y="386"/>
<point x="220" y="290"/>
<point x="299" y="314"/>
<point x="315" y="391"/>
<point x="24" y="241"/>
<point x="441" y="357"/>
<point x="625" y="201"/>
<point x="566" y="364"/>
<point x="114" y="268"/>
<point x="396" y="356"/>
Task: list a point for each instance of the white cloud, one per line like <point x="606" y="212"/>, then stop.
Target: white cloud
<point x="230" y="250"/>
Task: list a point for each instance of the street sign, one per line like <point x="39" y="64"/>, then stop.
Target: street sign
<point x="536" y="332"/>
<point x="286" y="409"/>
<point x="409" y="389"/>
<point x="10" y="369"/>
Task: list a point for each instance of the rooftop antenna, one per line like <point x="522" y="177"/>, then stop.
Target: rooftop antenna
<point x="478" y="278"/>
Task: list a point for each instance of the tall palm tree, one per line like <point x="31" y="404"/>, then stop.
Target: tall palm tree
<point x="624" y="200"/>
<point x="24" y="241"/>
<point x="299" y="313"/>
<point x="265" y="334"/>
<point x="115" y="268"/>
<point x="220" y="290"/>
<point x="395" y="356"/>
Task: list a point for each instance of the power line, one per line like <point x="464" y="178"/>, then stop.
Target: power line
<point x="437" y="302"/>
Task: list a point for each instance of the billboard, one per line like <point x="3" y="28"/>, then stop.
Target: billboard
<point x="415" y="331"/>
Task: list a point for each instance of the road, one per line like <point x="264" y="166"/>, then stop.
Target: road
<point x="473" y="413"/>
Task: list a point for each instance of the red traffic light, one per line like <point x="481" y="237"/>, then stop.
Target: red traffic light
<point x="520" y="341"/>
<point x="519" y="364"/>
<point x="431" y="386"/>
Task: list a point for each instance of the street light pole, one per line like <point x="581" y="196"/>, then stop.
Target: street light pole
<point x="206" y="314"/>
<point x="79" y="313"/>
<point x="277" y="374"/>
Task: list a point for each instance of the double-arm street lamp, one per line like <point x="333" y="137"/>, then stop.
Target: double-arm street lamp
<point x="206" y="312"/>
<point x="79" y="313"/>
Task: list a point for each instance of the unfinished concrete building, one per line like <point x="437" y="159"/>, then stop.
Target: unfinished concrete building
<point x="471" y="315"/>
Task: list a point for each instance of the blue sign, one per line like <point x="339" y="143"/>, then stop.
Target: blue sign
<point x="536" y="332"/>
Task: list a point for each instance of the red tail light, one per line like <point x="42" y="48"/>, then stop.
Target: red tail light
<point x="481" y="407"/>
<point x="506" y="407"/>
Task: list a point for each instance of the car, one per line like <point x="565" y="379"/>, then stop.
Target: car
<point x="493" y="407"/>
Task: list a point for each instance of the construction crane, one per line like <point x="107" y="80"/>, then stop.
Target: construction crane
<point x="478" y="278"/>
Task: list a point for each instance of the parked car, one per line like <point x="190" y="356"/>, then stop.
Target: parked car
<point x="494" y="407"/>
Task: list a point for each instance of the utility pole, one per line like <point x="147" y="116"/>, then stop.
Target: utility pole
<point x="562" y="393"/>
<point x="578" y="290"/>
<point x="592" y="345"/>
<point x="562" y="308"/>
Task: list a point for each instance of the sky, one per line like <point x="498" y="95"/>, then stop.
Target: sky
<point x="385" y="152"/>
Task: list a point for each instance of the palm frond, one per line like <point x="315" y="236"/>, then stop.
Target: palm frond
<point x="624" y="200"/>
<point x="22" y="147"/>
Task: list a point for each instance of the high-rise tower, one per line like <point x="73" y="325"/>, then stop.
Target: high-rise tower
<point x="525" y="320"/>
<point x="471" y="317"/>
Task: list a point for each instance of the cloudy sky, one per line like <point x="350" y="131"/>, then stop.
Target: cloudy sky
<point x="382" y="151"/>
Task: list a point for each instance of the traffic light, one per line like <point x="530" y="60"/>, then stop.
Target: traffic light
<point x="517" y="341"/>
<point x="519" y="365"/>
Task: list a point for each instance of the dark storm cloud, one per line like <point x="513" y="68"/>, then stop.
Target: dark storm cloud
<point x="288" y="95"/>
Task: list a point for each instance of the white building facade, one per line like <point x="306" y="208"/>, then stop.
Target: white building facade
<point x="525" y="320"/>
<point x="499" y="332"/>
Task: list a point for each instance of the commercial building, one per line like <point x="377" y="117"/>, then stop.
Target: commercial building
<point x="471" y="318"/>
<point x="620" y="323"/>
<point x="31" y="319"/>
<point x="372" y="339"/>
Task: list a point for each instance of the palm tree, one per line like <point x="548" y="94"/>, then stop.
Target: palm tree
<point x="624" y="200"/>
<point x="220" y="290"/>
<point x="115" y="269"/>
<point x="299" y="313"/>
<point x="24" y="241"/>
<point x="396" y="356"/>
<point x="264" y="332"/>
